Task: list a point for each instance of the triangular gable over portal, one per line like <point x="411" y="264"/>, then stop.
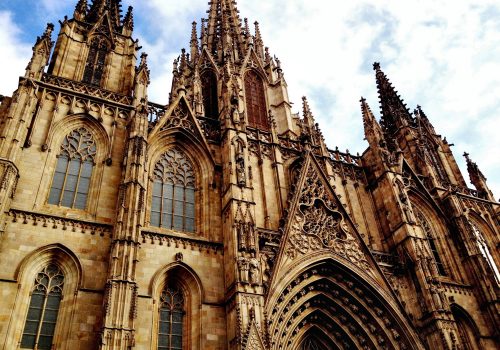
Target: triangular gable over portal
<point x="317" y="224"/>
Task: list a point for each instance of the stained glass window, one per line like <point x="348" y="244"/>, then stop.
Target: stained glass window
<point x="255" y="101"/>
<point x="431" y="239"/>
<point x="171" y="319"/>
<point x="96" y="61"/>
<point x="209" y="92"/>
<point x="71" y="182"/>
<point x="173" y="200"/>
<point x="43" y="309"/>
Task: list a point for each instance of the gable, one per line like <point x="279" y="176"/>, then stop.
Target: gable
<point x="318" y="225"/>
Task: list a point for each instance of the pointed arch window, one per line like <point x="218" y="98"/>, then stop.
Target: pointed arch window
<point x="171" y="320"/>
<point x="209" y="92"/>
<point x="173" y="200"/>
<point x="96" y="61"/>
<point x="431" y="239"/>
<point x="485" y="251"/>
<point x="255" y="101"/>
<point x="466" y="328"/>
<point x="43" y="309"/>
<point x="71" y="182"/>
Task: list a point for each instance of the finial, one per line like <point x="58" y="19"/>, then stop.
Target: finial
<point x="466" y="155"/>
<point x="175" y="69"/>
<point x="81" y="9"/>
<point x="194" y="41"/>
<point x="278" y="62"/>
<point x="258" y="36"/>
<point x="305" y="107"/>
<point x="182" y="64"/>
<point x="144" y="59"/>
<point x="267" y="56"/>
<point x="194" y="34"/>
<point x="247" y="28"/>
<point x="48" y="30"/>
<point x="128" y="21"/>
<point x="376" y="66"/>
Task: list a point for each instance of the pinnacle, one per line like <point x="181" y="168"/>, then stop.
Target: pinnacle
<point x="224" y="29"/>
<point x="366" y="110"/>
<point x="81" y="8"/>
<point x="305" y="107"/>
<point x="393" y="109"/>
<point x="99" y="7"/>
<point x="47" y="34"/>
<point x="128" y="21"/>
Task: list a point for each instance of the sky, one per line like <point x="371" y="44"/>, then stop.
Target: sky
<point x="442" y="55"/>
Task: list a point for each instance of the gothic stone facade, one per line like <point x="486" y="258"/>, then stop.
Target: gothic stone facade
<point x="222" y="220"/>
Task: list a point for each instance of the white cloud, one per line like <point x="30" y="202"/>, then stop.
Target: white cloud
<point x="15" y="54"/>
<point x="442" y="55"/>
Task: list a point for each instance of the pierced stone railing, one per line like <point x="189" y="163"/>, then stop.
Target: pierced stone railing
<point x="87" y="89"/>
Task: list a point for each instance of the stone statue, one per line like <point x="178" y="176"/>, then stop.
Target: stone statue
<point x="254" y="271"/>
<point x="240" y="164"/>
<point x="243" y="266"/>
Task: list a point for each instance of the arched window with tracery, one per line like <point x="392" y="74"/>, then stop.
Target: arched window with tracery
<point x="173" y="199"/>
<point x="209" y="92"/>
<point x="71" y="182"/>
<point x="43" y="309"/>
<point x="466" y="328"/>
<point x="171" y="320"/>
<point x="255" y="101"/>
<point x="485" y="251"/>
<point x="431" y="239"/>
<point x="96" y="61"/>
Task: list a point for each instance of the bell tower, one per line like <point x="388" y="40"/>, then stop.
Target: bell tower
<point x="96" y="47"/>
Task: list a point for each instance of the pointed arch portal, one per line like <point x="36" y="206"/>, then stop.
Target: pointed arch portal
<point x="327" y="306"/>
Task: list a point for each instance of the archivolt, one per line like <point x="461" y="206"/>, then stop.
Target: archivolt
<point x="328" y="297"/>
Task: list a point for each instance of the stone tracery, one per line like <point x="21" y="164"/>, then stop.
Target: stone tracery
<point x="317" y="224"/>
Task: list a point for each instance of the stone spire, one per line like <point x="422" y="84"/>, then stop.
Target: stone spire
<point x="478" y="179"/>
<point x="224" y="28"/>
<point x="373" y="131"/>
<point x="41" y="54"/>
<point x="142" y="81"/>
<point x="259" y="43"/>
<point x="393" y="109"/>
<point x="194" y="42"/>
<point x="128" y="21"/>
<point x="306" y="112"/>
<point x="81" y="9"/>
<point x="112" y="7"/>
<point x="422" y="120"/>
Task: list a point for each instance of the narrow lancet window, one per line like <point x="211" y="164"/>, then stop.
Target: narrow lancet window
<point x="255" y="101"/>
<point x="71" y="182"/>
<point x="485" y="251"/>
<point x="173" y="200"/>
<point x="171" y="320"/>
<point x="431" y="239"/>
<point x="209" y="92"/>
<point x="43" y="309"/>
<point x="96" y="61"/>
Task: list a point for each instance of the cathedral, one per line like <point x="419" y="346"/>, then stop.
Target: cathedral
<point x="222" y="220"/>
